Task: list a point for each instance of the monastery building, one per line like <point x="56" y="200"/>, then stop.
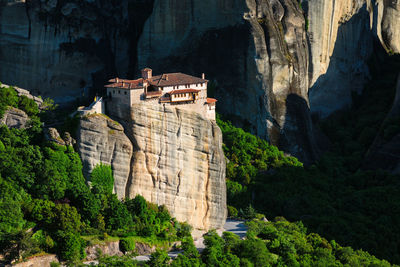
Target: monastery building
<point x="170" y="89"/>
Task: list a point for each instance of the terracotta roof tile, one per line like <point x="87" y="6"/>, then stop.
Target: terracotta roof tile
<point x="125" y="84"/>
<point x="211" y="100"/>
<point x="171" y="79"/>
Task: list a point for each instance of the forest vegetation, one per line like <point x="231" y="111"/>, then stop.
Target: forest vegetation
<point x="336" y="197"/>
<point x="46" y="205"/>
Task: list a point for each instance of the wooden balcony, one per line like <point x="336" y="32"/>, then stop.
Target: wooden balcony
<point x="153" y="94"/>
<point x="165" y="99"/>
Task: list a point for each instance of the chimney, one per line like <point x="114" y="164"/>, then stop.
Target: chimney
<point x="117" y="80"/>
<point x="203" y="76"/>
<point x="166" y="77"/>
<point x="147" y="73"/>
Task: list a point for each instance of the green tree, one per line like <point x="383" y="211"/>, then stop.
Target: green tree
<point x="66" y="218"/>
<point x="102" y="179"/>
<point x="71" y="246"/>
<point x="159" y="258"/>
<point x="11" y="214"/>
<point x="116" y="214"/>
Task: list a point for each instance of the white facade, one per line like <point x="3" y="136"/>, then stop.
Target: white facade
<point x="198" y="86"/>
<point x="97" y="106"/>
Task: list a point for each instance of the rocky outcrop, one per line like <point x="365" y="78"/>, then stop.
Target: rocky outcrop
<point x="178" y="162"/>
<point x="52" y="135"/>
<point x="173" y="157"/>
<point x="14" y="118"/>
<point x="387" y="23"/>
<point x="24" y="92"/>
<point x="102" y="140"/>
<point x="109" y="249"/>
<point x="340" y="35"/>
<point x="42" y="261"/>
<point x="340" y="41"/>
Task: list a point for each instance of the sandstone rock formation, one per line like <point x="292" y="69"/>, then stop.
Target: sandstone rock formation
<point x="52" y="135"/>
<point x="14" y="118"/>
<point x="42" y="261"/>
<point x="340" y="43"/>
<point x="341" y="36"/>
<point x="176" y="161"/>
<point x="102" y="140"/>
<point x="109" y="249"/>
<point x="387" y="23"/>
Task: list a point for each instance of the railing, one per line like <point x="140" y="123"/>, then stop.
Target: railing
<point x="165" y="99"/>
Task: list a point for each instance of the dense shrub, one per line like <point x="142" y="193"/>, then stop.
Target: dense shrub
<point x="127" y="245"/>
<point x="102" y="179"/>
<point x="71" y="246"/>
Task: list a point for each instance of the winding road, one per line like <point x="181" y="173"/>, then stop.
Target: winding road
<point x="234" y="226"/>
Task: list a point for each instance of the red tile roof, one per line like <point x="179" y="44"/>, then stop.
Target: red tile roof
<point x="182" y="91"/>
<point x="211" y="100"/>
<point x="125" y="84"/>
<point x="168" y="79"/>
<point x="171" y="79"/>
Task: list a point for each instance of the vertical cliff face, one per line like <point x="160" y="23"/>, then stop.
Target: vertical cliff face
<point x="178" y="161"/>
<point x="341" y="34"/>
<point x="102" y="140"/>
<point x="256" y="52"/>
<point x="60" y="48"/>
<point x="340" y="44"/>
<point x="387" y="23"/>
<point x="172" y="157"/>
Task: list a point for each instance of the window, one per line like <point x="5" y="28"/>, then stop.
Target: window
<point x="119" y="91"/>
<point x="113" y="91"/>
<point x="125" y="92"/>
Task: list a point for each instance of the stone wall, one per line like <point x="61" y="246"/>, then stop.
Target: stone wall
<point x="98" y="106"/>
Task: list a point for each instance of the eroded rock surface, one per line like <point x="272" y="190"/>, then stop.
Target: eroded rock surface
<point x="388" y="23"/>
<point x="109" y="249"/>
<point x="178" y="162"/>
<point x="340" y="38"/>
<point x="14" y="118"/>
<point x="171" y="157"/>
<point x="341" y="35"/>
<point x="102" y="140"/>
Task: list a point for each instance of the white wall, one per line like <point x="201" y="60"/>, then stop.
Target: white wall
<point x="198" y="86"/>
